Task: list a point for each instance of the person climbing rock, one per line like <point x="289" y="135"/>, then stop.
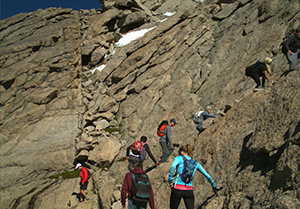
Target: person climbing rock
<point x="165" y="140"/>
<point x="182" y="184"/>
<point x="137" y="187"/>
<point x="292" y="46"/>
<point x="133" y="158"/>
<point x="201" y="116"/>
<point x="260" y="69"/>
<point x="83" y="182"/>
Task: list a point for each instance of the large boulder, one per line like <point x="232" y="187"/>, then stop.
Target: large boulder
<point x="104" y="153"/>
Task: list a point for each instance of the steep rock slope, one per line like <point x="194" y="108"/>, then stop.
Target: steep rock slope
<point x="195" y="57"/>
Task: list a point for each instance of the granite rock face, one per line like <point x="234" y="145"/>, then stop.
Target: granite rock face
<point x="70" y="93"/>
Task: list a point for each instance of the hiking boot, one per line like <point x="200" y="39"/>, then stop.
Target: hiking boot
<point x="258" y="89"/>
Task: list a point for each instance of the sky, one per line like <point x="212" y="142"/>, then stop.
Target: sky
<point x="10" y="8"/>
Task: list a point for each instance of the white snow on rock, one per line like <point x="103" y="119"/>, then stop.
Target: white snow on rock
<point x="131" y="36"/>
<point x="100" y="68"/>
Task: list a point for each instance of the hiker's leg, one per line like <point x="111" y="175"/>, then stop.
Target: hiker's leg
<point x="176" y="196"/>
<point x="255" y="77"/>
<point x="82" y="188"/>
<point x="189" y="199"/>
<point x="170" y="150"/>
<point x="292" y="61"/>
<point x="83" y="195"/>
<point x="130" y="163"/>
<point x="263" y="80"/>
<point x="164" y="148"/>
<point x="199" y="126"/>
<point x="140" y="205"/>
<point x="131" y="205"/>
<point x="132" y="160"/>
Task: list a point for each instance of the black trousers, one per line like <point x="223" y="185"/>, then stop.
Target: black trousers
<point x="187" y="195"/>
<point x="255" y="77"/>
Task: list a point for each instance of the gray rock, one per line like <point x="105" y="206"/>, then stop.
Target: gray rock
<point x="97" y="55"/>
<point x="89" y="128"/>
<point x="102" y="124"/>
<point x="226" y="10"/>
<point x="6" y="95"/>
<point x="194" y="58"/>
<point x="105" y="152"/>
<point x="82" y="156"/>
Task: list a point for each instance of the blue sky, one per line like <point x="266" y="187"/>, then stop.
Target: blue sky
<point x="11" y="7"/>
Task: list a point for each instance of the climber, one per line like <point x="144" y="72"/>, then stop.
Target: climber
<point x="182" y="186"/>
<point x="84" y="181"/>
<point x="133" y="158"/>
<point x="165" y="140"/>
<point x="292" y="46"/>
<point x="199" y="118"/>
<point x="137" y="187"/>
<point x="260" y="69"/>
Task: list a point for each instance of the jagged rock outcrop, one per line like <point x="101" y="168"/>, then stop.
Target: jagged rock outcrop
<point x="57" y="109"/>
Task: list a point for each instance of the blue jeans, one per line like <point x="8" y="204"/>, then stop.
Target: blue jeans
<point x="199" y="126"/>
<point x="132" y="204"/>
<point x="293" y="60"/>
<point x="132" y="160"/>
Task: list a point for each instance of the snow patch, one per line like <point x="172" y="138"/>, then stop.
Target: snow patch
<point x="169" y="14"/>
<point x="131" y="36"/>
<point x="100" y="68"/>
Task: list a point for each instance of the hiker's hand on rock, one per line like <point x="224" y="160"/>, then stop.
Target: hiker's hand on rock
<point x="222" y="114"/>
<point x="290" y="52"/>
<point x="217" y="189"/>
<point x="127" y="159"/>
<point x="157" y="163"/>
<point x="171" y="184"/>
<point x="172" y="146"/>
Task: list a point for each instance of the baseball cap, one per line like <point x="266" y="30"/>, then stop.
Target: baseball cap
<point x="78" y="165"/>
<point x="173" y="120"/>
<point x="208" y="108"/>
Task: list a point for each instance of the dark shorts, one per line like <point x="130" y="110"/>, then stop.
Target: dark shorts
<point x="83" y="186"/>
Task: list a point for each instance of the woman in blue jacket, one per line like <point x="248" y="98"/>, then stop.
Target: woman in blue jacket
<point x="180" y="189"/>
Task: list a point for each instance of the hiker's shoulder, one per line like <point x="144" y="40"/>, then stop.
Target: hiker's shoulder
<point x="138" y="171"/>
<point x="178" y="158"/>
<point x="292" y="37"/>
<point x="84" y="170"/>
<point x="128" y="175"/>
<point x="188" y="157"/>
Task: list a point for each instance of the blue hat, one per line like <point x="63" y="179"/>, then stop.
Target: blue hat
<point x="173" y="120"/>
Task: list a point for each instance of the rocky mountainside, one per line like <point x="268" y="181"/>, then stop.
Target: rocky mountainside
<point x="70" y="92"/>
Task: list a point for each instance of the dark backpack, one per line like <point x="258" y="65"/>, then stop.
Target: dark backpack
<point x="161" y="128"/>
<point x="140" y="187"/>
<point x="138" y="149"/>
<point x="283" y="48"/>
<point x="251" y="65"/>
<point x="89" y="174"/>
<point x="188" y="170"/>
